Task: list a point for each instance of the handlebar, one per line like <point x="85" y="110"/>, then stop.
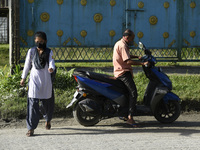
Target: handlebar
<point x="148" y="56"/>
<point x="150" y="59"/>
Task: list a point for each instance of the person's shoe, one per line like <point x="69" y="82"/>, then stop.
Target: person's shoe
<point x="30" y="133"/>
<point x="48" y="125"/>
<point x="132" y="123"/>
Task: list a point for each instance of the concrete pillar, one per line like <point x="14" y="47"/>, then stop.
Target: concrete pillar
<point x="14" y="49"/>
<point x="11" y="62"/>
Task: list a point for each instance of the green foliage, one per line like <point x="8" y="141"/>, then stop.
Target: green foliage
<point x="64" y="79"/>
<point x="186" y="86"/>
<point x="4" y="55"/>
<point x="64" y="88"/>
<point x="12" y="102"/>
<point x="3" y="72"/>
<point x="14" y="97"/>
<point x="110" y="64"/>
<point x="99" y="71"/>
<point x="85" y="64"/>
<point x="141" y="83"/>
<point x="10" y="82"/>
<point x="4" y="46"/>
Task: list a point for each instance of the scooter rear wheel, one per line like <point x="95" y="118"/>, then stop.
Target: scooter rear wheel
<point x="84" y="118"/>
<point x="167" y="113"/>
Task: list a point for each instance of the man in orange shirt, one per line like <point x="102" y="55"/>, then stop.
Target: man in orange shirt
<point x="123" y="71"/>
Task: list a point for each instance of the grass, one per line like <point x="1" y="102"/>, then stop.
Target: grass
<point x="4" y="55"/>
<point x="109" y="64"/>
<point x="13" y="97"/>
<point x="183" y="85"/>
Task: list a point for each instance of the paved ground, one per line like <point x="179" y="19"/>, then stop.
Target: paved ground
<point x="111" y="134"/>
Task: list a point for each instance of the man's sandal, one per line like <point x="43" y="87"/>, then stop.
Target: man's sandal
<point x="134" y="125"/>
<point x="30" y="133"/>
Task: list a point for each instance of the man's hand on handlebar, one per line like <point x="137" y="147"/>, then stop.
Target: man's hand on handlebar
<point x="146" y="64"/>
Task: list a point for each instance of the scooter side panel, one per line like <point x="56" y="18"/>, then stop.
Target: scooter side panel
<point x="155" y="102"/>
<point x="77" y="96"/>
<point x="156" y="98"/>
<point x="166" y="97"/>
<point x="170" y="96"/>
<point x="100" y="87"/>
<point x="122" y="101"/>
<point x="149" y="93"/>
<point x="163" y="78"/>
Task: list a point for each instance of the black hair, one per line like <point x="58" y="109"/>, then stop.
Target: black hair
<point x="128" y="32"/>
<point x="41" y="35"/>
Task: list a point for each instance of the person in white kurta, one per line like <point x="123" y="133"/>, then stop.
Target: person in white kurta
<point x="40" y="85"/>
<point x="40" y="60"/>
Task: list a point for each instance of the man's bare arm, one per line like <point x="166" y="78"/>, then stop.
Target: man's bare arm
<point x="131" y="62"/>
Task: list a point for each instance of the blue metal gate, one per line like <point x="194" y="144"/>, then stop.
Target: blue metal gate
<point x="86" y="30"/>
<point x="154" y="22"/>
<point x="72" y="22"/>
<point x="167" y="27"/>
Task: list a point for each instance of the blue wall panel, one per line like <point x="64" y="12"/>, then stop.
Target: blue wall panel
<point x="153" y="33"/>
<point x="191" y="25"/>
<point x="97" y="33"/>
<point x="71" y="17"/>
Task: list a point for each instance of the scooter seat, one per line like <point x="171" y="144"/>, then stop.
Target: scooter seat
<point x="102" y="78"/>
<point x="105" y="78"/>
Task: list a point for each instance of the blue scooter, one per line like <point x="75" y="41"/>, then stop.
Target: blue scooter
<point x="100" y="96"/>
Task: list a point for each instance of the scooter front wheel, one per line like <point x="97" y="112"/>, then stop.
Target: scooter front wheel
<point x="167" y="113"/>
<point x="84" y="118"/>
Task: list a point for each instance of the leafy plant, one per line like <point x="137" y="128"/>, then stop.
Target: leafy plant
<point x="13" y="97"/>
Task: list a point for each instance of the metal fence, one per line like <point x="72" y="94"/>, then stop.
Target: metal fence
<point x="104" y="54"/>
<point x="3" y="30"/>
<point x="3" y="3"/>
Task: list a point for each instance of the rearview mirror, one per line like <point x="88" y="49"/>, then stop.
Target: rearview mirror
<point x="141" y="46"/>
